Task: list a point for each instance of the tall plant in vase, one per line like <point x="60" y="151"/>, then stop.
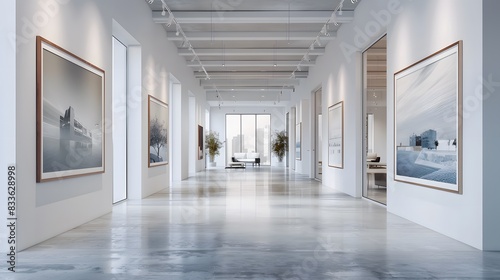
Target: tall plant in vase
<point x="279" y="144"/>
<point x="213" y="144"/>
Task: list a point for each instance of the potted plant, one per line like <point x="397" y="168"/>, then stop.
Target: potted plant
<point x="213" y="144"/>
<point x="279" y="144"/>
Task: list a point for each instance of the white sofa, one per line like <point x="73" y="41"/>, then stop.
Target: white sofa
<point x="253" y="158"/>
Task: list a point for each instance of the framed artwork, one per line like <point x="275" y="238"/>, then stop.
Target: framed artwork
<point x="298" y="140"/>
<point x="157" y="132"/>
<point x="200" y="142"/>
<point x="70" y="114"/>
<point x="336" y="135"/>
<point x="428" y="121"/>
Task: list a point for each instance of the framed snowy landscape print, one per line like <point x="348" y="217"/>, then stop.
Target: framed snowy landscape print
<point x="428" y="121"/>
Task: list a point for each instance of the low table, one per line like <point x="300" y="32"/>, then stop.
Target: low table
<point x="236" y="165"/>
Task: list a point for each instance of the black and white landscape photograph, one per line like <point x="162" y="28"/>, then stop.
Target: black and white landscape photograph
<point x="427" y="122"/>
<point x="72" y="113"/>
<point x="158" y="132"/>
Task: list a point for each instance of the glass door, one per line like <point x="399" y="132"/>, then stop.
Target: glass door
<point x="375" y="121"/>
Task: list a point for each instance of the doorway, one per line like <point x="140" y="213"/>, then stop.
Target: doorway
<point x="318" y="135"/>
<point x="375" y="121"/>
<point x="119" y="121"/>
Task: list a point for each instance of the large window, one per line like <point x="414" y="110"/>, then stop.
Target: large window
<point x="249" y="134"/>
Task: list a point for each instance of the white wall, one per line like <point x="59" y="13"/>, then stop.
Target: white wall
<point x="85" y="28"/>
<point x="415" y="30"/>
<point x="339" y="76"/>
<point x="218" y="124"/>
<point x="7" y="107"/>
<point x="409" y="40"/>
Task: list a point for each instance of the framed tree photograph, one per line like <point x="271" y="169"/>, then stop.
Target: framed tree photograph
<point x="336" y="135"/>
<point x="70" y="114"/>
<point x="298" y="140"/>
<point x="200" y="142"/>
<point x="428" y="121"/>
<point x="157" y="132"/>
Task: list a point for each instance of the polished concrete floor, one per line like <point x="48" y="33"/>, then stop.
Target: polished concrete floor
<point x="258" y="223"/>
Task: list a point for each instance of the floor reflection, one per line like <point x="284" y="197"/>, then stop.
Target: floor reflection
<point x="258" y="223"/>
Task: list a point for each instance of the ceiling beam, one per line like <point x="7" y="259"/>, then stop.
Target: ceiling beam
<point x="250" y="36"/>
<point x="233" y="63"/>
<point x="239" y="83"/>
<point x="252" y="52"/>
<point x="251" y="74"/>
<point x="250" y="17"/>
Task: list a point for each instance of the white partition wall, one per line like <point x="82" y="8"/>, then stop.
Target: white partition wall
<point x="85" y="28"/>
<point x="410" y="39"/>
<point x="458" y="216"/>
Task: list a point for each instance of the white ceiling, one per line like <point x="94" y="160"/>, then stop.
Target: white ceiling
<point x="250" y="48"/>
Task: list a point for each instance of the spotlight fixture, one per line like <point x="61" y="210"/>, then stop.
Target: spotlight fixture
<point x="177" y="31"/>
<point x="150" y="2"/>
<point x="163" y="13"/>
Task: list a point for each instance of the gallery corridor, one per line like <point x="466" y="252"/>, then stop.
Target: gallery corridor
<point x="258" y="223"/>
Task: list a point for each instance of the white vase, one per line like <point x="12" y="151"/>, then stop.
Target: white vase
<point x="212" y="164"/>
